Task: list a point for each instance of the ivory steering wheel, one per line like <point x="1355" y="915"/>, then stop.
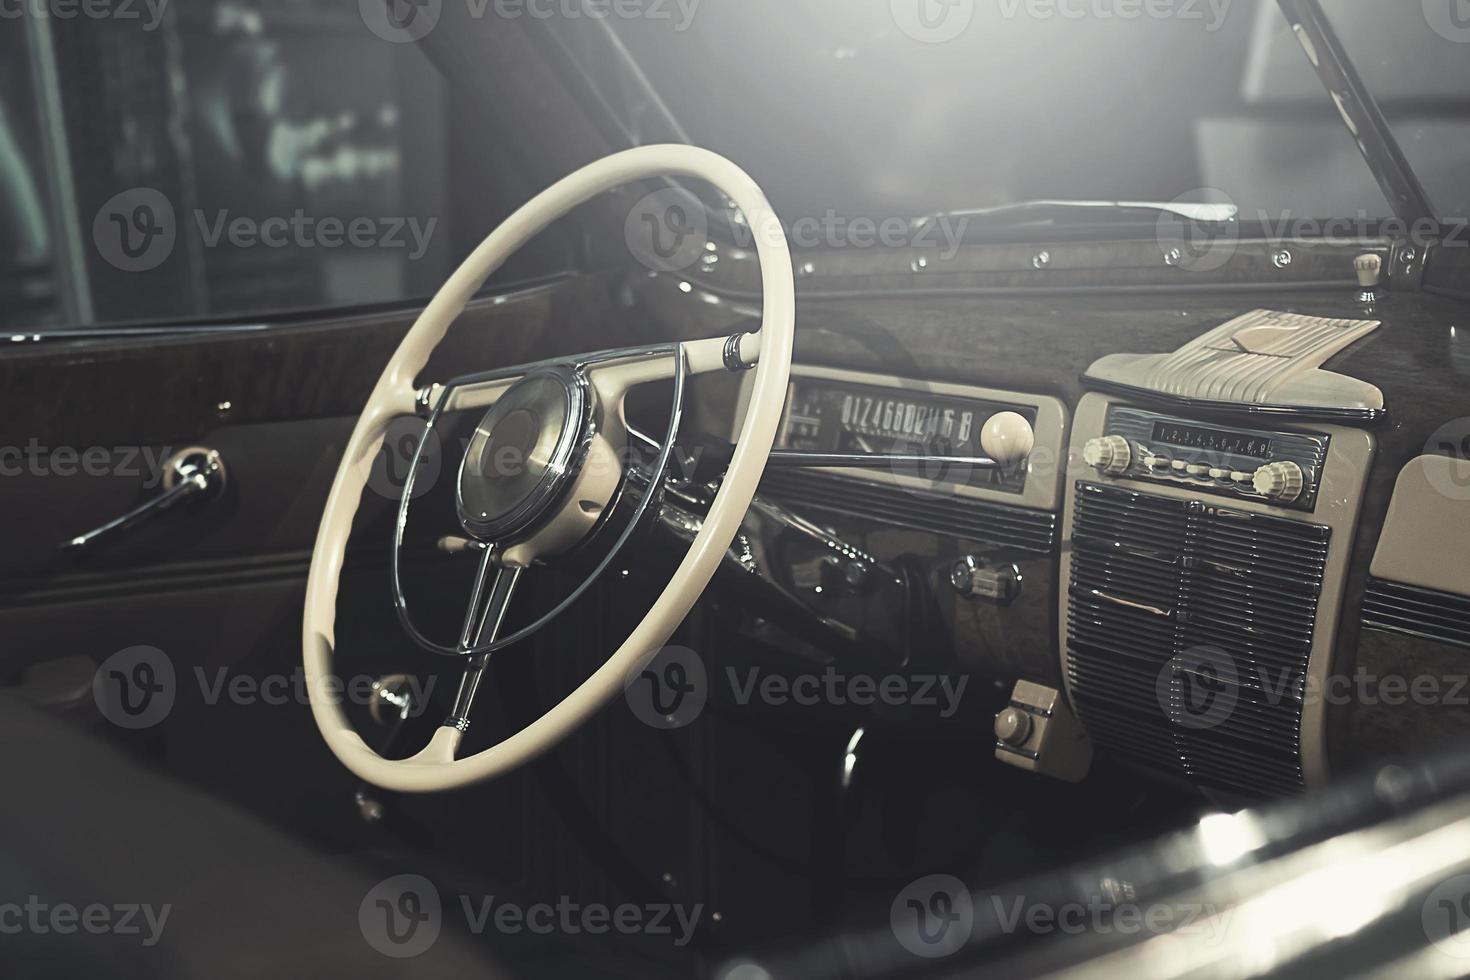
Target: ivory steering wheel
<point x="564" y="419"/>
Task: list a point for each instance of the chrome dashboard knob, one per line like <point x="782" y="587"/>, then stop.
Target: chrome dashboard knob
<point x="1279" y="481"/>
<point x="977" y="578"/>
<point x="1111" y="454"/>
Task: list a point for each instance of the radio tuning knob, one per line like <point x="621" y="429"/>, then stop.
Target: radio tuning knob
<point x="1279" y="481"/>
<point x="1111" y="454"/>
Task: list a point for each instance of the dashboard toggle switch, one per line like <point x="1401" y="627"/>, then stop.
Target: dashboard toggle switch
<point x="976" y="578"/>
<point x="1038" y="732"/>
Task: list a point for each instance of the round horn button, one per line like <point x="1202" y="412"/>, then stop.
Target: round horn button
<point x="521" y="455"/>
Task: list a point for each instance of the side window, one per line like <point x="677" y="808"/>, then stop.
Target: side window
<point x="172" y="162"/>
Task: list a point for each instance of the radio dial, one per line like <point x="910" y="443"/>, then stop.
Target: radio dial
<point x="1279" y="481"/>
<point x="1111" y="454"/>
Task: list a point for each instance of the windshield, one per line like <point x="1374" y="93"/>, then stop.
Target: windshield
<point x="908" y="107"/>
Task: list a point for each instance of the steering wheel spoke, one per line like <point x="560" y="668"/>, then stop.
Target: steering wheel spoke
<point x="490" y="597"/>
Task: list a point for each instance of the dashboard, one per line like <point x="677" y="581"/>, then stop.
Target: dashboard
<point x="1176" y="574"/>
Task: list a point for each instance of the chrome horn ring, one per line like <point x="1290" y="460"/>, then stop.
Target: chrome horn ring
<point x="467" y="648"/>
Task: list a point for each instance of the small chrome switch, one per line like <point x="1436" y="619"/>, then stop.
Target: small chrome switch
<point x="975" y="578"/>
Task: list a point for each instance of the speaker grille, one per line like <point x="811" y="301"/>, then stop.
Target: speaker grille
<point x="1189" y="628"/>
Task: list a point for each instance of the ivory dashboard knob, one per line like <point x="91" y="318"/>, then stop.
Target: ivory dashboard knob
<point x="1111" y="454"/>
<point x="1013" y="726"/>
<point x="1279" y="481"/>
<point x="1007" y="437"/>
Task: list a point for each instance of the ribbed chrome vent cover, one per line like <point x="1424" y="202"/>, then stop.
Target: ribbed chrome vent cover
<point x="1189" y="628"/>
<point x="1033" y="531"/>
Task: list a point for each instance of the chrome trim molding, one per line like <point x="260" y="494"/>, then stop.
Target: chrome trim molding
<point x="734" y="363"/>
<point x="1363" y="417"/>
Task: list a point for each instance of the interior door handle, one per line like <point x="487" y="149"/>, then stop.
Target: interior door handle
<point x="195" y="473"/>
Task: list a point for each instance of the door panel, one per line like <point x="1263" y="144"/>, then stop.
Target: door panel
<point x="220" y="584"/>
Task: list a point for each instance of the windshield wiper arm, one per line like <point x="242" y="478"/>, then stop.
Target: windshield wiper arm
<point x="1359" y="111"/>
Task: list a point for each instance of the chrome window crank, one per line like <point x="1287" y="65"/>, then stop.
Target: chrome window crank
<point x="195" y="473"/>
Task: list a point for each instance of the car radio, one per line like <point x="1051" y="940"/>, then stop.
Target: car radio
<point x="1280" y="468"/>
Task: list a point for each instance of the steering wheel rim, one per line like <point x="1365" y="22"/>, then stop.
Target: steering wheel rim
<point x="436" y="768"/>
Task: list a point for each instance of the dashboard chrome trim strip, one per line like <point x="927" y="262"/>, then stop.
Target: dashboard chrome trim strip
<point x="873" y="461"/>
<point x="1360" y="417"/>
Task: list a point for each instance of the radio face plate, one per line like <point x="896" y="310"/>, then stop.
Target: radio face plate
<point x="1226" y="452"/>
